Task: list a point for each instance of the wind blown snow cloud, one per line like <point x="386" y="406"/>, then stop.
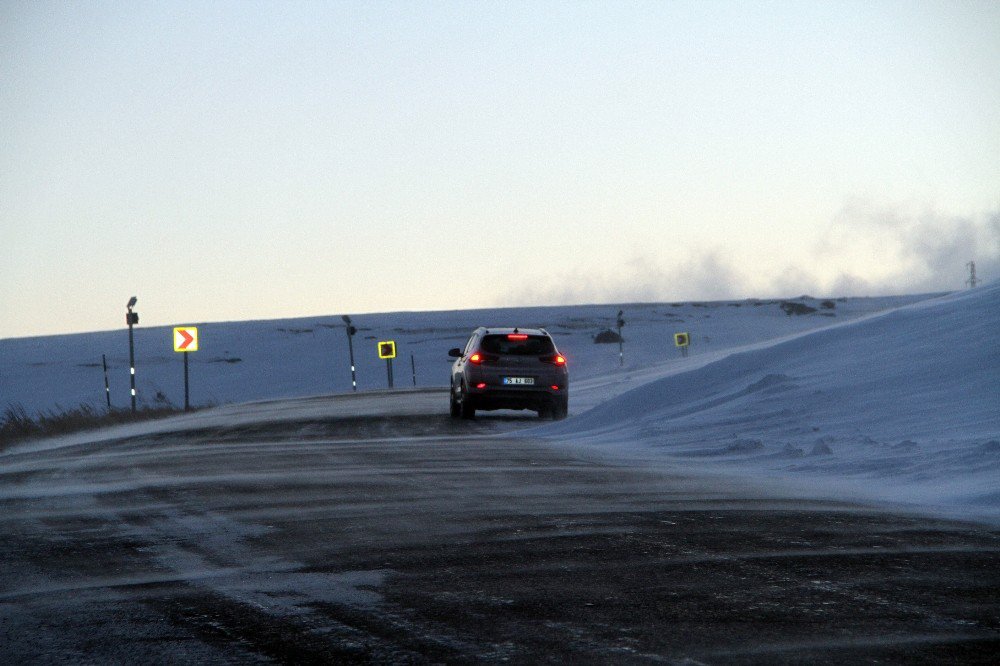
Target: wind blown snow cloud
<point x="707" y="276"/>
<point x="925" y="251"/>
<point x="867" y="249"/>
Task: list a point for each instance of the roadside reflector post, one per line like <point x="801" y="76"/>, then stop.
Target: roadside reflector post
<point x="387" y="350"/>
<point x="413" y="367"/>
<point x="107" y="386"/>
<point x="621" y="340"/>
<point x="186" y="341"/>
<point x="351" y="330"/>
<point x="131" y="318"/>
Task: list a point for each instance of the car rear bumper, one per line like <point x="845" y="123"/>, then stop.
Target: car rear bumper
<point x="500" y="397"/>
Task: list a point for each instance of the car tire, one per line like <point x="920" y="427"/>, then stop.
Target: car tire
<point x="454" y="408"/>
<point x="560" y="410"/>
<point x="467" y="408"/>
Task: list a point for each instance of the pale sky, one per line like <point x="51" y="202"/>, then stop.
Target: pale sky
<point x="253" y="160"/>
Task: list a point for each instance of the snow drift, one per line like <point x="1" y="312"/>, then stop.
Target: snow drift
<point x="903" y="405"/>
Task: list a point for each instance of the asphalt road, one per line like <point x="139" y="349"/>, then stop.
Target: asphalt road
<point x="374" y="528"/>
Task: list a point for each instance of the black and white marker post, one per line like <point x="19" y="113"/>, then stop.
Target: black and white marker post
<point x="621" y="340"/>
<point x="107" y="386"/>
<point x="350" y="347"/>
<point x="131" y="318"/>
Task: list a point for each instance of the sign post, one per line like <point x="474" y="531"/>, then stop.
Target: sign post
<point x="682" y="340"/>
<point x="186" y="340"/>
<point x="387" y="350"/>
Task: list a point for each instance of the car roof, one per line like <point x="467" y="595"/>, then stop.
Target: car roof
<point x="499" y="330"/>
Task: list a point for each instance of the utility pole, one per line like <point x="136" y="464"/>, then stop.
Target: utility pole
<point x="972" y="281"/>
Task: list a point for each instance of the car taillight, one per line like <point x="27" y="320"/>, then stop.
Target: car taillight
<point x="481" y="385"/>
<point x="517" y="336"/>
<point x="555" y="359"/>
<point x="479" y="358"/>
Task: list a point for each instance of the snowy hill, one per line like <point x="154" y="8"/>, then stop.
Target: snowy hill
<point x="903" y="405"/>
<point x="255" y="360"/>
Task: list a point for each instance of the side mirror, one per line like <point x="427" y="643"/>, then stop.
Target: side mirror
<point x="455" y="353"/>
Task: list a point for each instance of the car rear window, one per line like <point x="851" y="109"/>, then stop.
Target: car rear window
<point x="533" y="345"/>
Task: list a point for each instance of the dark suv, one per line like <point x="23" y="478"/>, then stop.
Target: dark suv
<point x="509" y="368"/>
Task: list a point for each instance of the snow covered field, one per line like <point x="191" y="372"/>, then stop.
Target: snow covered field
<point x="259" y="360"/>
<point x="891" y="399"/>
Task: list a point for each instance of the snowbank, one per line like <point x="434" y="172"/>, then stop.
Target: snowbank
<point x="901" y="406"/>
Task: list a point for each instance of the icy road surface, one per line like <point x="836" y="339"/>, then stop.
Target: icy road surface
<point x="373" y="528"/>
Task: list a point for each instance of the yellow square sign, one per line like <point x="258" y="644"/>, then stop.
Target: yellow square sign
<point x="387" y="349"/>
<point x="682" y="339"/>
<point x="186" y="339"/>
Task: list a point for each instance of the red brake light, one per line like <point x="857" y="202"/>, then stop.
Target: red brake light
<point x="481" y="385"/>
<point x="517" y="336"/>
<point x="476" y="358"/>
<point x="559" y="360"/>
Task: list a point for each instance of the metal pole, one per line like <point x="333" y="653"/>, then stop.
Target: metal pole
<point x="350" y="347"/>
<point x="413" y="366"/>
<point x="107" y="386"/>
<point x="187" y="404"/>
<point x="131" y="359"/>
<point x="388" y="371"/>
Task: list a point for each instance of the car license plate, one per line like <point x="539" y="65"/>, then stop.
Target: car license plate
<point x="519" y="381"/>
